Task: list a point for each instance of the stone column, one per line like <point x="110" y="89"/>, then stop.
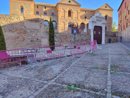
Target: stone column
<point x="103" y="34"/>
<point x="92" y="35"/>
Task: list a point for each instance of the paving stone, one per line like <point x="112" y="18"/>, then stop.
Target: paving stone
<point x="120" y="68"/>
<point x="12" y="87"/>
<point x="93" y="63"/>
<point x="89" y="73"/>
<point x="44" y="72"/>
<point x="116" y="97"/>
<point x="120" y="63"/>
<point x="121" y="84"/>
<point x="55" y="91"/>
<point x="92" y="79"/>
<point x="120" y="58"/>
<point x="118" y="49"/>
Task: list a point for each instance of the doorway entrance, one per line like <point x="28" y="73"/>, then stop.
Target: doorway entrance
<point x="98" y="34"/>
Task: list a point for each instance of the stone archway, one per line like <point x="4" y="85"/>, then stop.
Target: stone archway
<point x="46" y="25"/>
<point x="98" y="34"/>
<point x="82" y="27"/>
<point x="70" y="26"/>
<point x="54" y="24"/>
<point x="99" y="21"/>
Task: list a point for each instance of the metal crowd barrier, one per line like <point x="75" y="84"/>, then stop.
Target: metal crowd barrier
<point x="31" y="55"/>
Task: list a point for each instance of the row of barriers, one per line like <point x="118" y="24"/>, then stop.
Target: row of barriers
<point x="31" y="55"/>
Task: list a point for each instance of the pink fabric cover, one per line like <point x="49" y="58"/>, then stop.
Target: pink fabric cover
<point x="3" y="55"/>
<point x="93" y="44"/>
<point x="49" y="51"/>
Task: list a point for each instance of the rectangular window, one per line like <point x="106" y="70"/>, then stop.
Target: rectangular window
<point x="45" y="13"/>
<point x="52" y="14"/>
<point x="37" y="6"/>
<point x="37" y="13"/>
<point x="126" y="24"/>
<point x="22" y="10"/>
<point x="125" y="4"/>
<point x="69" y="13"/>
<point x="128" y="12"/>
<point x="105" y="28"/>
<point x="106" y="17"/>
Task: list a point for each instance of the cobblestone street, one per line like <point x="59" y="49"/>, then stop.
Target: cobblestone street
<point x="103" y="74"/>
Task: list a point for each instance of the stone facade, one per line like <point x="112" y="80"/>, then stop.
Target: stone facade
<point x="112" y="37"/>
<point x="124" y="20"/>
<point x="25" y="34"/>
<point x="125" y="35"/>
<point x="20" y="7"/>
<point x="124" y="14"/>
<point x="9" y="19"/>
<point x="27" y="24"/>
<point x="65" y="12"/>
<point x="97" y="20"/>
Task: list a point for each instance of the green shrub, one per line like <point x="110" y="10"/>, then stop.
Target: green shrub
<point x="2" y="40"/>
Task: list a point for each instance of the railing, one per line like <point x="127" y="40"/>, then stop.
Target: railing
<point x="24" y="56"/>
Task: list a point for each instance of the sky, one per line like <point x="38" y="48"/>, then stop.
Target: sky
<point x="92" y="4"/>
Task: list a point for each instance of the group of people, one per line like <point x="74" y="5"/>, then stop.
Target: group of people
<point x="75" y="29"/>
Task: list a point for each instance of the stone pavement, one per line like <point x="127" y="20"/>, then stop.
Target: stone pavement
<point x="103" y="74"/>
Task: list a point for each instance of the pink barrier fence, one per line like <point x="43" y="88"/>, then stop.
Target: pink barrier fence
<point x="93" y="45"/>
<point x="42" y="53"/>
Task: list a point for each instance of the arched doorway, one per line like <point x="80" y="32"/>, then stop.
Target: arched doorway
<point x="70" y="27"/>
<point x="97" y="28"/>
<point x="22" y="10"/>
<point x="54" y="24"/>
<point x="46" y="25"/>
<point x="82" y="27"/>
<point x="98" y="34"/>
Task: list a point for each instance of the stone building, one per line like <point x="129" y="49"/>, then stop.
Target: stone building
<point x="27" y="24"/>
<point x="124" y="20"/>
<point x="65" y="14"/>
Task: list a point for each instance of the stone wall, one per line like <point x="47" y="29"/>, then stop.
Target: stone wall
<point x="8" y="19"/>
<point x="28" y="33"/>
<point x="68" y="38"/>
<point x="26" y="5"/>
<point x="24" y="34"/>
<point x="29" y="8"/>
<point x="125" y="35"/>
<point x="111" y="37"/>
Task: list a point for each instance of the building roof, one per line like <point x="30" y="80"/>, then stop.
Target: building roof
<point x="62" y="1"/>
<point x="87" y="9"/>
<point x="102" y="7"/>
<point x="54" y="5"/>
<point x="46" y="4"/>
<point x="121" y="5"/>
